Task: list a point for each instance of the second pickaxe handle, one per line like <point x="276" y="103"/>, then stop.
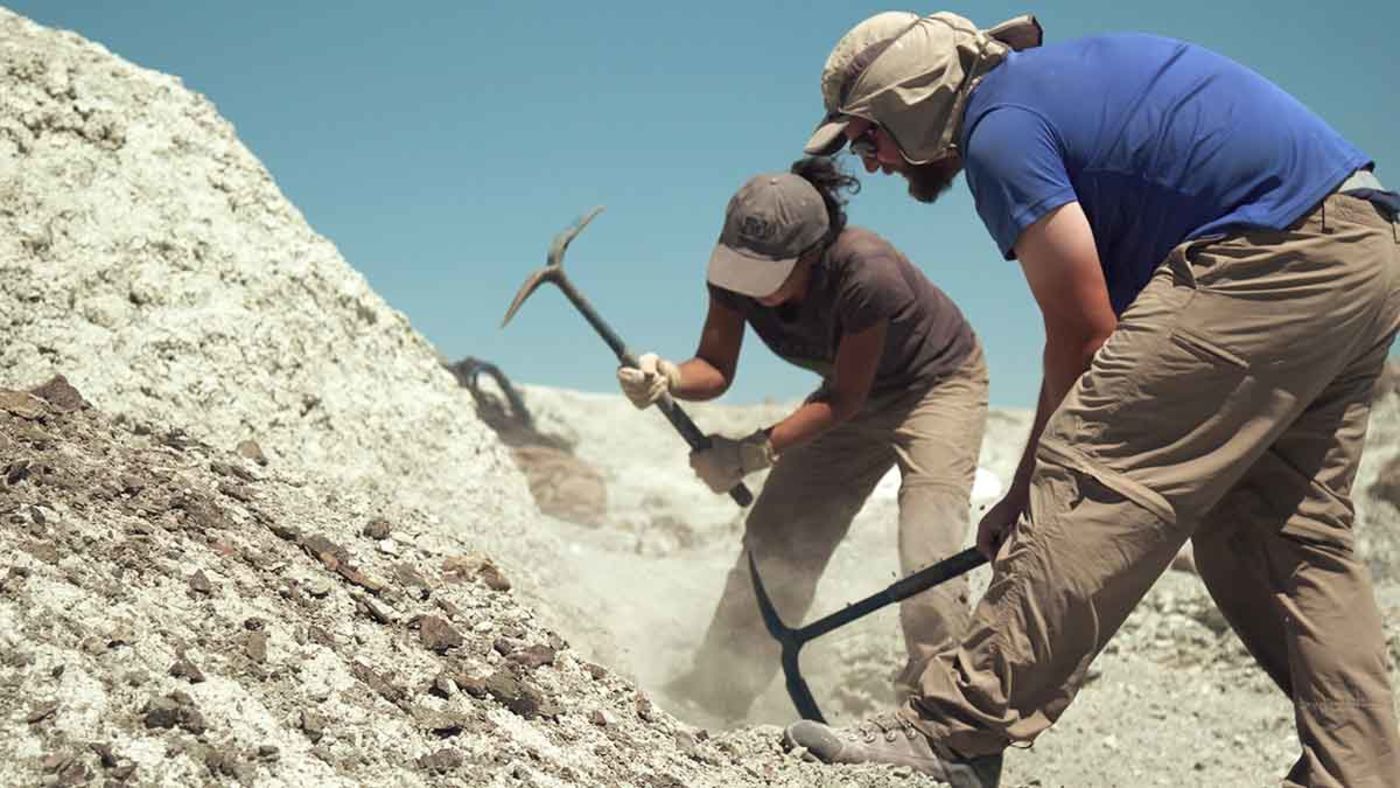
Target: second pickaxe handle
<point x="673" y="411"/>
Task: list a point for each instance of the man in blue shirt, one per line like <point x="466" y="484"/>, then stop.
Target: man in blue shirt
<point x="1219" y="276"/>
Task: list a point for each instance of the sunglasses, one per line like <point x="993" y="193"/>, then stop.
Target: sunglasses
<point x="864" y="145"/>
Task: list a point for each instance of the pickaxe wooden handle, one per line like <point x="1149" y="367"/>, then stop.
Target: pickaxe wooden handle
<point x="553" y="273"/>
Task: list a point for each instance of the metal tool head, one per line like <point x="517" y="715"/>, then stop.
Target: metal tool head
<point x="791" y="642"/>
<point x="554" y="265"/>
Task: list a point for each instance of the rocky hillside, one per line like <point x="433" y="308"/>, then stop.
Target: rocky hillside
<point x="146" y="254"/>
<point x="171" y="613"/>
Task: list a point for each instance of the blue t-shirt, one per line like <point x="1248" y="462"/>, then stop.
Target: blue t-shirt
<point x="1160" y="141"/>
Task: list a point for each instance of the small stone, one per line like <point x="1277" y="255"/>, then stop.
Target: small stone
<point x="409" y="577"/>
<point x="57" y="671"/>
<point x="440" y="724"/>
<point x="376" y="682"/>
<point x="318" y="587"/>
<point x="313" y="725"/>
<point x="55" y="761"/>
<point x="22" y="404"/>
<point x="491" y="575"/>
<point x="161" y="713"/>
<point x="255" y="644"/>
<point x="123" y="773"/>
<point x="519" y="696"/>
<point x="447" y="607"/>
<point x="377" y="529"/>
<point x="177" y="439"/>
<point x="377" y="610"/>
<point x="185" y="669"/>
<point x="371" y="584"/>
<point x="645" y="709"/>
<point x="221" y="762"/>
<point x="598" y="672"/>
<point x="438" y="635"/>
<point x="60" y="395"/>
<point x="250" y="450"/>
<point x="238" y="492"/>
<point x="231" y="469"/>
<point x="459" y="568"/>
<point x="473" y="686"/>
<point x="601" y="718"/>
<point x="442" y="761"/>
<point x="199" y="582"/>
<point x="324" y="550"/>
<point x="282" y="531"/>
<point x="443" y="686"/>
<point x="44" y="551"/>
<point x="533" y="657"/>
<point x="42" y="712"/>
<point x="268" y="752"/>
<point x="104" y="754"/>
<point x="388" y="547"/>
<point x="686" y="743"/>
<point x="254" y="624"/>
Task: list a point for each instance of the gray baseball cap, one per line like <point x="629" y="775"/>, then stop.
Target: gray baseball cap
<point x="770" y="222"/>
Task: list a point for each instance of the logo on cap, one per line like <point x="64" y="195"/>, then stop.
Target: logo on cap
<point x="756" y="229"/>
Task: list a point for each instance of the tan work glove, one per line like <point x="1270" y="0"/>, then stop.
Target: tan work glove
<point x="645" y="383"/>
<point x="728" y="460"/>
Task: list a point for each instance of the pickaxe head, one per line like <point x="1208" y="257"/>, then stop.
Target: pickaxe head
<point x="790" y="640"/>
<point x="554" y="265"/>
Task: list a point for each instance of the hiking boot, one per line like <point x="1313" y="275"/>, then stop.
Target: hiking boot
<point x="893" y="739"/>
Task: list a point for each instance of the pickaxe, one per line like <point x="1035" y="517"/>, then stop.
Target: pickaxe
<point x="792" y="640"/>
<point x="553" y="273"/>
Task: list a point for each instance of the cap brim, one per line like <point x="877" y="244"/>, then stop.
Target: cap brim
<point x="829" y="137"/>
<point x="747" y="274"/>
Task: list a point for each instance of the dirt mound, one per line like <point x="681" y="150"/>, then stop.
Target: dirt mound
<point x="171" y="613"/>
<point x="148" y="255"/>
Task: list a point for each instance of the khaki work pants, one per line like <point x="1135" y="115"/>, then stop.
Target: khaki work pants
<point x="1228" y="408"/>
<point x="806" y="507"/>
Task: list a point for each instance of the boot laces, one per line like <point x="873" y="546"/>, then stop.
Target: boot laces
<point x="888" y="726"/>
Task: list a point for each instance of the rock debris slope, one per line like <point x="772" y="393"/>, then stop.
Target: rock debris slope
<point x="146" y="254"/>
<point x="171" y="613"/>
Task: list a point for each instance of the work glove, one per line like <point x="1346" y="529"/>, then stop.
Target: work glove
<point x="652" y="377"/>
<point x="729" y="460"/>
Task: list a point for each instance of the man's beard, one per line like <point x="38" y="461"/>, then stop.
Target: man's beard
<point x="928" y="181"/>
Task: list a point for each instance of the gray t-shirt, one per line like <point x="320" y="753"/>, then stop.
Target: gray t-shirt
<point x="861" y="280"/>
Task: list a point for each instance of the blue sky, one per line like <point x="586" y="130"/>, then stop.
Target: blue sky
<point x="440" y="145"/>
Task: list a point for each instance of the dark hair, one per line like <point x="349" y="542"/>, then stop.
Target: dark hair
<point x="824" y="173"/>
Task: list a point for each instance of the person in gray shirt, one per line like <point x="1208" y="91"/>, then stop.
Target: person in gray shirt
<point x="904" y="384"/>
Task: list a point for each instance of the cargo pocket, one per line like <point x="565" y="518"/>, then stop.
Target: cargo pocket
<point x="1134" y="491"/>
<point x="1205" y="349"/>
<point x="1306" y="510"/>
